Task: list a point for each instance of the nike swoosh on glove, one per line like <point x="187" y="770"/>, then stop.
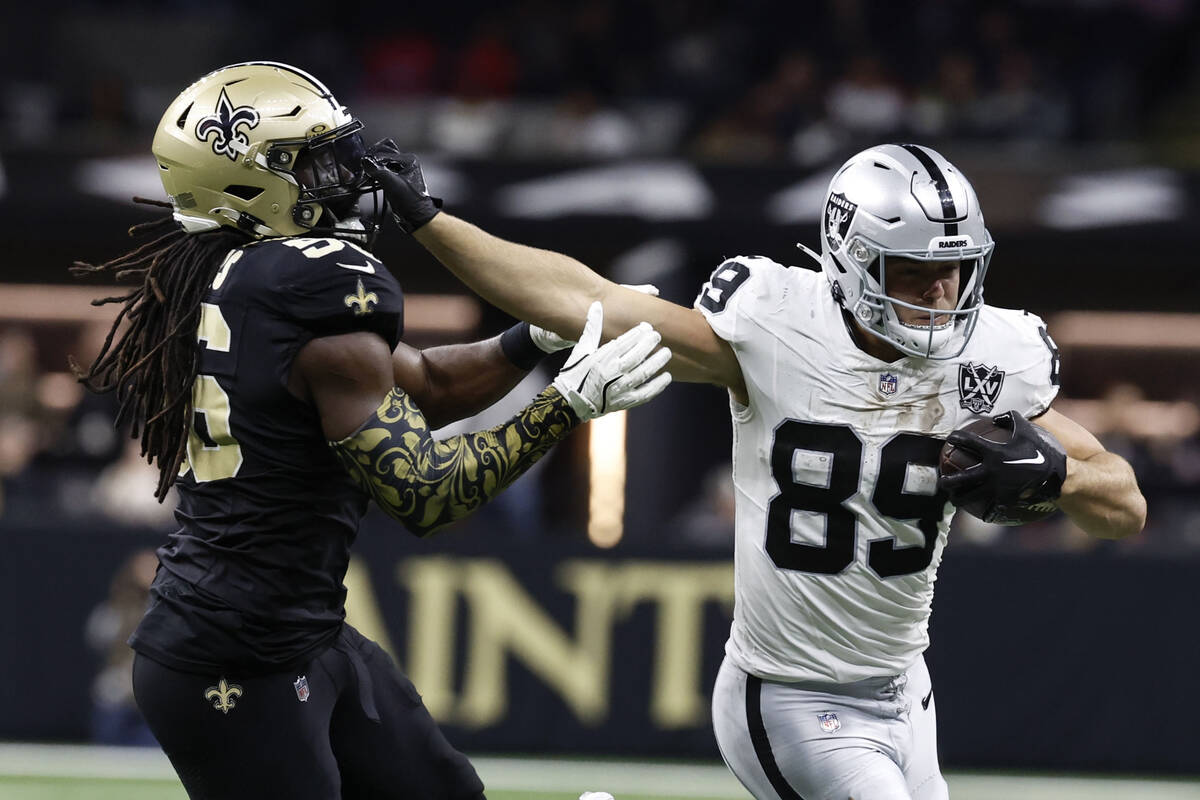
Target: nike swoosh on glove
<point x="624" y="373"/>
<point x="1029" y="468"/>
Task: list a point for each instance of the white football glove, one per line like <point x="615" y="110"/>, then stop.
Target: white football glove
<point x="621" y="374"/>
<point x="551" y="342"/>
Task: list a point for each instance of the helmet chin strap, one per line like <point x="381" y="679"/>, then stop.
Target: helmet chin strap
<point x="354" y="227"/>
<point x="810" y="253"/>
<point x="244" y="221"/>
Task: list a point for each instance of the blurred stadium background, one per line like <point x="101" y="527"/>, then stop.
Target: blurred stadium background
<point x="583" y="615"/>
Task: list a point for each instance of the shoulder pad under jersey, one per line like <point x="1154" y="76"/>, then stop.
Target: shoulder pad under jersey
<point x="331" y="286"/>
<point x="742" y="288"/>
<point x="1020" y="345"/>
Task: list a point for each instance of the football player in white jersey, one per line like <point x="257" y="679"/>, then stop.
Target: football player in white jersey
<point x="843" y="385"/>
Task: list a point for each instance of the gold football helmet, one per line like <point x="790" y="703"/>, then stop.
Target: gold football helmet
<point x="262" y="147"/>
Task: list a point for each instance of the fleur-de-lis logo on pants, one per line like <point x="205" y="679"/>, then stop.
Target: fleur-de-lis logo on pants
<point x="222" y="126"/>
<point x="223" y="695"/>
<point x="361" y="301"/>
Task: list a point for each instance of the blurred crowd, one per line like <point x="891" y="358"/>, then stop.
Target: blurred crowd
<point x="740" y="81"/>
<point x="60" y="452"/>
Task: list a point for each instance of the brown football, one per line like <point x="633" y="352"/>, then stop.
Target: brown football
<point x="981" y="502"/>
<point x="955" y="460"/>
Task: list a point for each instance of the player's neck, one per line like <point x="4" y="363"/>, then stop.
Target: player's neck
<point x="868" y="342"/>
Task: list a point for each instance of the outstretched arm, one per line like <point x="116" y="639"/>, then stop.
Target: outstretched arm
<point x="550" y="289"/>
<point x="546" y="288"/>
<point x="553" y="290"/>
<point x="456" y="381"/>
<point x="417" y="480"/>
<point x="426" y="483"/>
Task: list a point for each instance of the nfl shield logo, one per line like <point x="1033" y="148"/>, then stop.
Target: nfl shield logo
<point x="978" y="387"/>
<point x="301" y="684"/>
<point x="888" y="383"/>
<point x="829" y="722"/>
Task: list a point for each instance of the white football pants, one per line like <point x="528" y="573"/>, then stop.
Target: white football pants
<point x="871" y="740"/>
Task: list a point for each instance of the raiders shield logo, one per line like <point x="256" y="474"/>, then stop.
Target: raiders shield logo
<point x="978" y="387"/>
<point x="839" y="212"/>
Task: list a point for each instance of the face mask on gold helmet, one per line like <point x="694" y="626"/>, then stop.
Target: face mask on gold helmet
<point x="262" y="147"/>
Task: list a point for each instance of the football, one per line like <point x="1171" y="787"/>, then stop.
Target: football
<point x="981" y="502"/>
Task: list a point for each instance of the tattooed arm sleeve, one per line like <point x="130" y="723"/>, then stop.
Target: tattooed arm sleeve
<point x="426" y="484"/>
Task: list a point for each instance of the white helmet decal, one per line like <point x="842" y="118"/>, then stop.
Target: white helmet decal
<point x="222" y="126"/>
<point x="838" y="213"/>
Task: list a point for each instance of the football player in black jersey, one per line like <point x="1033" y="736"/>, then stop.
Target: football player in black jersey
<point x="259" y="359"/>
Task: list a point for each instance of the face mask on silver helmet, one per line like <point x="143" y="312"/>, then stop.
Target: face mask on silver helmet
<point x="904" y="201"/>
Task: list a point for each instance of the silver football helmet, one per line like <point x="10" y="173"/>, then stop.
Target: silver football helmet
<point x="904" y="201"/>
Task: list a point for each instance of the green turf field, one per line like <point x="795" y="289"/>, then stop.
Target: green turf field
<point x="110" y="789"/>
<point x="35" y="772"/>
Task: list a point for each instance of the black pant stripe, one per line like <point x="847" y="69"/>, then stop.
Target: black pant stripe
<point x="762" y="745"/>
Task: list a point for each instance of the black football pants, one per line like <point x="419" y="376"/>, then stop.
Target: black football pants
<point x="347" y="726"/>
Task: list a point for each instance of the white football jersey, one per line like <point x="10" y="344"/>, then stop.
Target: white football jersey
<point x="840" y="527"/>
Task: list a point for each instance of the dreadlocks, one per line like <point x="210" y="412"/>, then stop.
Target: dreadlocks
<point x="154" y="360"/>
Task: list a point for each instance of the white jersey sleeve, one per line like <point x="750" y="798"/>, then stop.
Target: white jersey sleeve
<point x="737" y="291"/>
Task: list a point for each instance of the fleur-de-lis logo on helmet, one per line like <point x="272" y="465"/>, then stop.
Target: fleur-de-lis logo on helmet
<point x="222" y="126"/>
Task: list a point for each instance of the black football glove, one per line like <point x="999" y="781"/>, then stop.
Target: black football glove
<point x="399" y="175"/>
<point x="1030" y="468"/>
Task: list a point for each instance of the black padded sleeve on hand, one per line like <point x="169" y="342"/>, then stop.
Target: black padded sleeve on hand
<point x="519" y="347"/>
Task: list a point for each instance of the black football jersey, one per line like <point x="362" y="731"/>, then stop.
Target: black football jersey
<point x="253" y="578"/>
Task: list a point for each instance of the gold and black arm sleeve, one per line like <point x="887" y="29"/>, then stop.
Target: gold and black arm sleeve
<point x="424" y="483"/>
